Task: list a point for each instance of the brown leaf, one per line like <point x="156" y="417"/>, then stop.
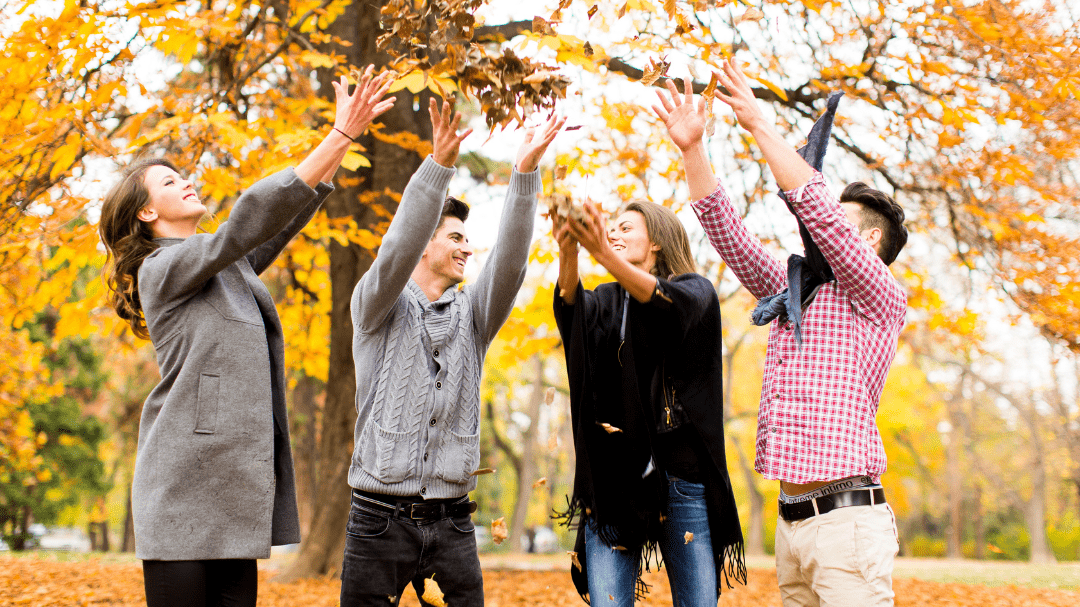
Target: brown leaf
<point x="560" y="171"/>
<point x="432" y="593"/>
<point x="541" y="26"/>
<point x="654" y="71"/>
<point x="498" y="530"/>
<point x="621" y="548"/>
<point x="711" y="89"/>
<point x="688" y="536"/>
<point x="592" y="11"/>
<point x="540" y="482"/>
<point x="538" y="77"/>
<point x="587" y="49"/>
<point x="481" y="471"/>
<point x="622" y="11"/>
<point x="609" y="428"/>
<point x="574" y="559"/>
<point x="751" y="14"/>
<point x="669" y="7"/>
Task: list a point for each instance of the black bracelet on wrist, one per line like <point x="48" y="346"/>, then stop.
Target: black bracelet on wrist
<point x="344" y="133"/>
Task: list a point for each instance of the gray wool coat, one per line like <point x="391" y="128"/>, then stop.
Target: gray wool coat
<point x="214" y="472"/>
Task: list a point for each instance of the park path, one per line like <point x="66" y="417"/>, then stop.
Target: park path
<point x="34" y="582"/>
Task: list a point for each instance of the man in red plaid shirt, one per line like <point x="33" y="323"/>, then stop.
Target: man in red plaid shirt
<point x="836" y="535"/>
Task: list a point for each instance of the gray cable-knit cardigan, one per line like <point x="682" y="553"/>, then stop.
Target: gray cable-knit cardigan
<point x="214" y="472"/>
<point x="418" y="362"/>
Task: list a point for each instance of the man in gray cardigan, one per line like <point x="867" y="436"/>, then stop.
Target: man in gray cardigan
<point x="419" y="345"/>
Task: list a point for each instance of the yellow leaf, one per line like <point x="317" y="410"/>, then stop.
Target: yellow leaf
<point x="772" y="87"/>
<point x="353" y="161"/>
<point x="688" y="537"/>
<point x="481" y="471"/>
<point x="433" y="595"/>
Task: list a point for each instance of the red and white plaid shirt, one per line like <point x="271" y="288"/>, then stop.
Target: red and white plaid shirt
<point x="816" y="420"/>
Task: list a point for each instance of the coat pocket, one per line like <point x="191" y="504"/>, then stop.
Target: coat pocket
<point x="458" y="457"/>
<point x="387" y="455"/>
<point x="207" y="405"/>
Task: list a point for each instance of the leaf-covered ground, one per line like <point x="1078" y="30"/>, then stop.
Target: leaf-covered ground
<point x="96" y="582"/>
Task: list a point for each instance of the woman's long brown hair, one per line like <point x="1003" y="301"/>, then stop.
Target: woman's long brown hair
<point x="666" y="231"/>
<point x="128" y="240"/>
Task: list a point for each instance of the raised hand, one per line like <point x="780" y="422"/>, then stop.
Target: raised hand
<point x="685" y="120"/>
<point x="560" y="230"/>
<point x="591" y="231"/>
<point x="528" y="156"/>
<point x="444" y="132"/>
<point x="740" y="97"/>
<point x="355" y="112"/>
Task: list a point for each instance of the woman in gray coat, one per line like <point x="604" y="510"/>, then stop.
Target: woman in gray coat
<point x="213" y="486"/>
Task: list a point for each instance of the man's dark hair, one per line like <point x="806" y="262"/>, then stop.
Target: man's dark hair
<point x="452" y="207"/>
<point x="879" y="210"/>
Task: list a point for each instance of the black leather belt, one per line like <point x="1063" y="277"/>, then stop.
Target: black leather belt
<point x="828" y="503"/>
<point x="415" y="510"/>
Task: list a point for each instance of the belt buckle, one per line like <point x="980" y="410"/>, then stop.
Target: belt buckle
<point x="420" y="511"/>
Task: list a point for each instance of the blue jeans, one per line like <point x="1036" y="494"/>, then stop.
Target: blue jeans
<point x="690" y="566"/>
<point x="384" y="553"/>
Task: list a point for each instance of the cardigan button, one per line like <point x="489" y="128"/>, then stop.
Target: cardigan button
<point x="423" y="490"/>
<point x="435" y="353"/>
<point x="432" y="422"/>
<point x="438" y="385"/>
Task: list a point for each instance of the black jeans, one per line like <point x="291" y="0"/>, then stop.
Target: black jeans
<point x="385" y="552"/>
<point x="214" y="583"/>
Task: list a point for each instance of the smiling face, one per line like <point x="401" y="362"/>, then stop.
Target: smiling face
<point x="630" y="240"/>
<point x="174" y="208"/>
<point x="447" y="251"/>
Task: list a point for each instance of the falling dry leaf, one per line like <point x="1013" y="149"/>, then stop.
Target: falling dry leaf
<point x="481" y="471"/>
<point x="711" y="89"/>
<point x="751" y="14"/>
<point x="621" y="548"/>
<point x="587" y="49"/>
<point x="573" y="127"/>
<point x="688" y="536"/>
<point x="622" y="11"/>
<point x="592" y="11"/>
<point x="549" y="396"/>
<point x="432" y="594"/>
<point x="538" y="76"/>
<point x="610" y="429"/>
<point x="574" y="559"/>
<point x="498" y="530"/>
<point x="611" y="598"/>
<point x="540" y="26"/>
<point x="654" y="71"/>
<point x="540" y="482"/>
<point x="560" y="171"/>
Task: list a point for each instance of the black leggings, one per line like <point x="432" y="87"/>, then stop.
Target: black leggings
<point x="216" y="583"/>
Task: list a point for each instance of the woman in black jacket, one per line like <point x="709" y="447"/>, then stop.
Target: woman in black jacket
<point x="643" y="357"/>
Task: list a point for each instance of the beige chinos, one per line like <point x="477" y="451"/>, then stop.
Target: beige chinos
<point x="838" y="559"/>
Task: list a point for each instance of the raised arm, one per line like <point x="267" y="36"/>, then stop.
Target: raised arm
<point x="492" y="296"/>
<point x="413" y="225"/>
<point x="757" y="270"/>
<point x="858" y="269"/>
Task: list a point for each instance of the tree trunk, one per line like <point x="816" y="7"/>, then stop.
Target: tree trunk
<point x="128" y="543"/>
<point x="1035" y="510"/>
<point x="304" y="427"/>
<point x="526" y="473"/>
<point x="954" y="479"/>
<point x="980" y="530"/>
<point x="322" y="548"/>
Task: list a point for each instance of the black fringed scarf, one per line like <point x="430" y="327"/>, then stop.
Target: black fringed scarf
<point x="809" y="271"/>
<point x="616" y="489"/>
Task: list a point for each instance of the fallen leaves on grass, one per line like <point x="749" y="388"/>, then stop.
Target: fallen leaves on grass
<point x="100" y="582"/>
